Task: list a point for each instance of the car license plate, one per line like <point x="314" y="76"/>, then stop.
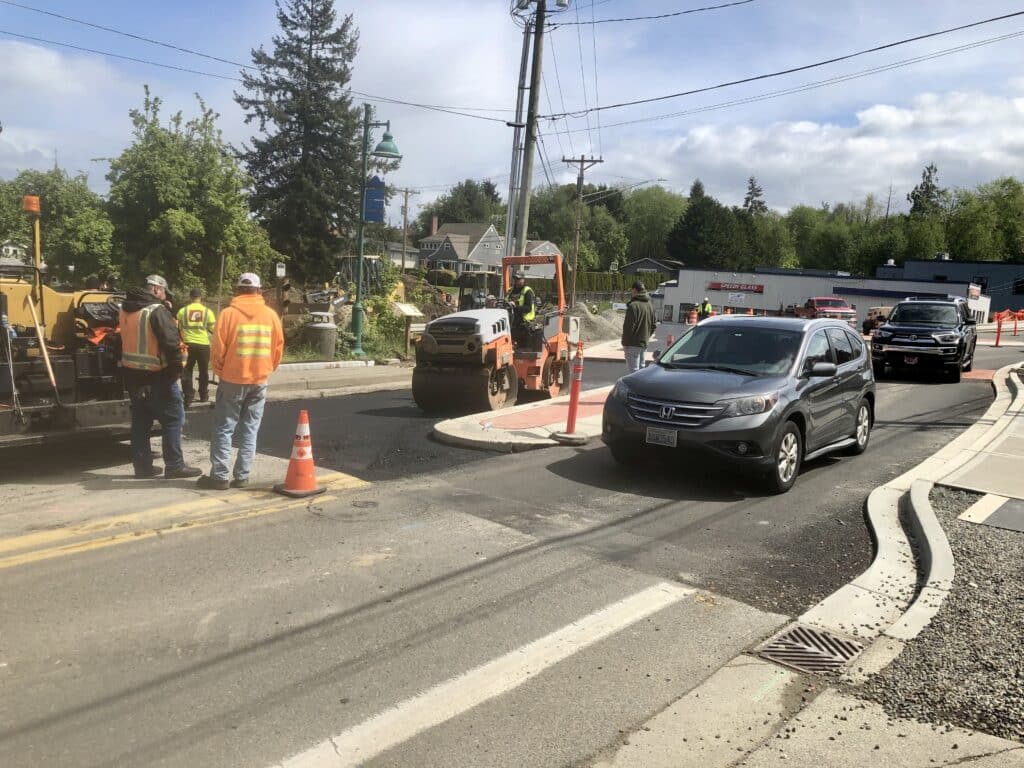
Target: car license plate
<point x="910" y="359"/>
<point x="666" y="437"/>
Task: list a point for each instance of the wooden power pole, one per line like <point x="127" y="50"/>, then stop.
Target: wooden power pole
<point x="405" y="221"/>
<point x="584" y="163"/>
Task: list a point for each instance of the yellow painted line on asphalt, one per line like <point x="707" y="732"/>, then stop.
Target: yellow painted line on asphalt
<point x="174" y="518"/>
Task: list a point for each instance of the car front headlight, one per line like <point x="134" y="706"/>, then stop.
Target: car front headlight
<point x="882" y="335"/>
<point x="946" y="338"/>
<point x="748" y="406"/>
<point x="620" y="391"/>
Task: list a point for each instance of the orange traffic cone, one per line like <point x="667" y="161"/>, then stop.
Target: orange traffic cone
<point x="750" y="310"/>
<point x="300" y="481"/>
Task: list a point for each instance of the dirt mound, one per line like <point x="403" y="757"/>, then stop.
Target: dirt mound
<point x="426" y="297"/>
<point x="597" y="327"/>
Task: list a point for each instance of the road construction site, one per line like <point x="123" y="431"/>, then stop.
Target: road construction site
<point x="463" y="605"/>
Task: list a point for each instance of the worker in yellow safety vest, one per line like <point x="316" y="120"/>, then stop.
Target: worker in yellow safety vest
<point x="150" y="368"/>
<point x="196" y="322"/>
<point x="524" y="307"/>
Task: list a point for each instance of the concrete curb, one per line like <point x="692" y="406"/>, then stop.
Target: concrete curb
<point x="326" y="364"/>
<point x="885" y="599"/>
<point x="467" y="432"/>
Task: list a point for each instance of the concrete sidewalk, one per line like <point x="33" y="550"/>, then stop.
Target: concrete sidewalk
<point x="611" y="351"/>
<point x="290" y="383"/>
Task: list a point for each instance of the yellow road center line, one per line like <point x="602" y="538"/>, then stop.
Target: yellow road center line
<point x="138" y="535"/>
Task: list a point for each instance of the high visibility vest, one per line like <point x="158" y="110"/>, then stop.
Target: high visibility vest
<point x="519" y="298"/>
<point x="253" y="340"/>
<point x="196" y="323"/>
<point x="705" y="309"/>
<point x="140" y="349"/>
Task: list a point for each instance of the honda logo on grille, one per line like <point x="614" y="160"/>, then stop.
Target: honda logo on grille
<point x="667" y="412"/>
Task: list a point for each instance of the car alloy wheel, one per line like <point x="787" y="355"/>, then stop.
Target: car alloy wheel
<point x="788" y="458"/>
<point x="863" y="424"/>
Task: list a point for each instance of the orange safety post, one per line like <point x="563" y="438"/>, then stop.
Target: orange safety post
<point x="750" y="311"/>
<point x="999" y="328"/>
<point x="670" y="340"/>
<point x="570" y="436"/>
<point x="693" y="317"/>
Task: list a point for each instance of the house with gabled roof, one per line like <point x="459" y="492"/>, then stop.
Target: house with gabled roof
<point x="463" y="248"/>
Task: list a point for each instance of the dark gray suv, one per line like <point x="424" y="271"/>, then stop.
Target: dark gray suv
<point x="764" y="393"/>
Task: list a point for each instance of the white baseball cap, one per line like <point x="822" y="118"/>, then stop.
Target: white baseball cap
<point x="248" y="280"/>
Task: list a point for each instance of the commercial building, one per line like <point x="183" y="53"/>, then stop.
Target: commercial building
<point x="773" y="290"/>
<point x="1002" y="280"/>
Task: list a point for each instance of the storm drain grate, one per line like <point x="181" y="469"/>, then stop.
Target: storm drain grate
<point x="809" y="650"/>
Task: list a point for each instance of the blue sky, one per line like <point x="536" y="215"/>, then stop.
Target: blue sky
<point x="842" y="142"/>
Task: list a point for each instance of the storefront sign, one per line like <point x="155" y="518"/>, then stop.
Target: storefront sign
<point x="746" y="287"/>
<point x="736" y="298"/>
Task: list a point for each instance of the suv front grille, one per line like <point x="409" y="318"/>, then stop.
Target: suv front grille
<point x="672" y="413"/>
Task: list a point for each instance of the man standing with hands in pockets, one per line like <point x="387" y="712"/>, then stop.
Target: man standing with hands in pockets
<point x="248" y="343"/>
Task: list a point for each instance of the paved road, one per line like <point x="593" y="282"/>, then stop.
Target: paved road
<point x="464" y="609"/>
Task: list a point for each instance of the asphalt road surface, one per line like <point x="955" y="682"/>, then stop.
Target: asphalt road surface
<point x="465" y="609"/>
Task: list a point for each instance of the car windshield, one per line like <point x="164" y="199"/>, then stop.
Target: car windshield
<point x="831" y="303"/>
<point x="927" y="314"/>
<point x="746" y="350"/>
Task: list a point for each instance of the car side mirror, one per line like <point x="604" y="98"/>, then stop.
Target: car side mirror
<point x="823" y="370"/>
<point x="971" y="321"/>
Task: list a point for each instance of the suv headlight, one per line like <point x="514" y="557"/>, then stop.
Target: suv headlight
<point x="946" y="338"/>
<point x="748" y="406"/>
<point x="620" y="391"/>
<point x="882" y="335"/>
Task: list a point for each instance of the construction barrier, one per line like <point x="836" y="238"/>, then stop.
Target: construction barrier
<point x="693" y="317"/>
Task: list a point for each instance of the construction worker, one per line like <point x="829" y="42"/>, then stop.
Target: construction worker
<point x="248" y="343"/>
<point x="151" y="366"/>
<point x="524" y="303"/>
<point x="196" y="322"/>
<point x="637" y="327"/>
<point x="704" y="310"/>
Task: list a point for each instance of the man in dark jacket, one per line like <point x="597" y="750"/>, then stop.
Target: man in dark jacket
<point x="151" y="365"/>
<point x="637" y="327"/>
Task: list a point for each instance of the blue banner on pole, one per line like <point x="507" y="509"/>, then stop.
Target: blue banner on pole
<point x="375" y="189"/>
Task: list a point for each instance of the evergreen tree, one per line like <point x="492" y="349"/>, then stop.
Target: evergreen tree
<point x="754" y="203"/>
<point x="708" y="234"/>
<point x="697" y="190"/>
<point x="928" y="198"/>
<point x="306" y="163"/>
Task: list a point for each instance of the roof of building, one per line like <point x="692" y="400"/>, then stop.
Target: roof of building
<point x="398" y="246"/>
<point x="473" y="231"/>
<point x="671" y="264"/>
<point x="532" y="245"/>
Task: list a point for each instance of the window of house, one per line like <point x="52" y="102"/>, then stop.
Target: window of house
<point x="447" y="246"/>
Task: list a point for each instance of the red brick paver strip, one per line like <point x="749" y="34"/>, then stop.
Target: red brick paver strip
<point x="590" y="405"/>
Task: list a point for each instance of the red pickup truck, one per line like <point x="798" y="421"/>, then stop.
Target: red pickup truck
<point x="827" y="306"/>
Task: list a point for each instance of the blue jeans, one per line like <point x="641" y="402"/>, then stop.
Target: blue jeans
<point x="237" y="414"/>
<point x="161" y="401"/>
<point x="634" y="358"/>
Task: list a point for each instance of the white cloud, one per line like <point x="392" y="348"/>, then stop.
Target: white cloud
<point x="972" y="137"/>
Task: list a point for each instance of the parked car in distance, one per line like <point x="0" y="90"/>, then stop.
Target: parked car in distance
<point x="826" y="307"/>
<point x="935" y="335"/>
<point x="619" y="306"/>
<point x="875" y="317"/>
<point x="763" y="393"/>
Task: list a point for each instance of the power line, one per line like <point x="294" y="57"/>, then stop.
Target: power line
<point x="647" y="18"/>
<point x="547" y="95"/>
<point x="791" y="70"/>
<point x="597" y="93"/>
<point x="561" y="93"/>
<point x="817" y="84"/>
<point x="583" y="79"/>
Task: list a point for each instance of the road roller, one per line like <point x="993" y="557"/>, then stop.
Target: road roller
<point x="477" y="360"/>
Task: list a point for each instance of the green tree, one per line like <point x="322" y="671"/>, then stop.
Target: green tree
<point x="708" y="234"/>
<point x="972" y="228"/>
<point x="1006" y="197"/>
<point x="753" y="202"/>
<point x="178" y="203"/>
<point x="306" y="164"/>
<point x="928" y="199"/>
<point x="650" y="215"/>
<point x="468" y="202"/>
<point x="76" y="232"/>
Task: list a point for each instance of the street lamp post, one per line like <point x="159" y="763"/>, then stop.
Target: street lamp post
<point x="386" y="149"/>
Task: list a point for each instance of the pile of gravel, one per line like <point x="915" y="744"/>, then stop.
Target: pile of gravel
<point x="597" y="327"/>
<point x="967" y="667"/>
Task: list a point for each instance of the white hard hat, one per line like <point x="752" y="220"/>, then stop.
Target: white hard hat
<point x="156" y="280"/>
<point x="248" y="280"/>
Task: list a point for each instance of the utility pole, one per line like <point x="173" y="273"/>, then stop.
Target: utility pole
<point x="530" y="144"/>
<point x="517" y="139"/>
<point x="405" y="220"/>
<point x="584" y="163"/>
<point x="888" y="203"/>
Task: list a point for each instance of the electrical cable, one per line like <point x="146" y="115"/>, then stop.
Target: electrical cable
<point x="597" y="92"/>
<point x="561" y="93"/>
<point x="649" y="18"/>
<point x="583" y="80"/>
<point x="791" y="70"/>
<point x="816" y="84"/>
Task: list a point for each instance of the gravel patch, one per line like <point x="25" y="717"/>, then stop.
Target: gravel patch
<point x="967" y="667"/>
<point x="597" y="327"/>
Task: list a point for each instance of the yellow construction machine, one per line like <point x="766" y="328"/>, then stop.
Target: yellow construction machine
<point x="59" y="356"/>
<point x="478" y="360"/>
